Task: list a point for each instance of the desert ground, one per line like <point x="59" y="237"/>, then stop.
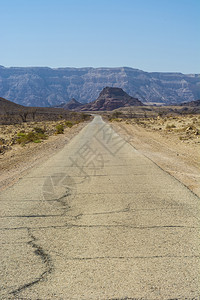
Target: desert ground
<point x="20" y="150"/>
<point x="172" y="142"/>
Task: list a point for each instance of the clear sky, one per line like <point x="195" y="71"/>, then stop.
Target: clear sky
<point x="151" y="35"/>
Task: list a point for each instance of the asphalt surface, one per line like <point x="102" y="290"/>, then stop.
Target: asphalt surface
<point x="99" y="221"/>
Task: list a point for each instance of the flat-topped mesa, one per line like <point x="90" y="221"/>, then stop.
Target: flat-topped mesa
<point x="113" y="91"/>
<point x="112" y="98"/>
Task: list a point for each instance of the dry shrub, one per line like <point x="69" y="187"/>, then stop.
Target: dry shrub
<point x="25" y="138"/>
<point x="168" y="126"/>
<point x="69" y="124"/>
<point x="59" y="129"/>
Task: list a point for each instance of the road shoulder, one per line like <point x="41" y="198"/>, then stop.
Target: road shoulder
<point x="180" y="160"/>
<point x="17" y="162"/>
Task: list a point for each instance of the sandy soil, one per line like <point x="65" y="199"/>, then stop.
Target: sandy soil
<point x="175" y="150"/>
<point x="16" y="162"/>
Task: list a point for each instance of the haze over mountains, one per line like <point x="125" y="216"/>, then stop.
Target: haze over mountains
<point x="46" y="87"/>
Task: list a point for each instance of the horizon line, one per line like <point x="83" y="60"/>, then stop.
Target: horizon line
<point x="90" y="67"/>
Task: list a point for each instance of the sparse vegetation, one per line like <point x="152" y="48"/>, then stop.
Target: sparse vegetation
<point x="23" y="133"/>
<point x="117" y="114"/>
<point x="59" y="129"/>
<point x="185" y="126"/>
<point x="172" y="126"/>
<point x="69" y="124"/>
<point x="24" y="138"/>
<point x="84" y="117"/>
<point x="39" y="130"/>
<point x="11" y="113"/>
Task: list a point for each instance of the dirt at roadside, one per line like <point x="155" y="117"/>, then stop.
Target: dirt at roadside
<point x="17" y="161"/>
<point x="179" y="158"/>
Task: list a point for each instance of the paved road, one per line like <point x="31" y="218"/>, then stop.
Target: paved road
<point x="99" y="221"/>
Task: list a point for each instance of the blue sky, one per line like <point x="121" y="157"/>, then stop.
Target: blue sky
<point x="151" y="35"/>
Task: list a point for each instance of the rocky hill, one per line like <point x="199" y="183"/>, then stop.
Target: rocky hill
<point x="111" y="98"/>
<point x="8" y="106"/>
<point x="192" y="103"/>
<point x="73" y="104"/>
<point x="49" y="87"/>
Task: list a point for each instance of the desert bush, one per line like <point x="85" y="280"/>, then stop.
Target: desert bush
<point x="183" y="138"/>
<point x="59" y="129"/>
<point x="25" y="138"/>
<point x="115" y="120"/>
<point x="39" y="130"/>
<point x="116" y="114"/>
<point x="168" y="126"/>
<point x="84" y="117"/>
<point x="69" y="124"/>
<point x="21" y="134"/>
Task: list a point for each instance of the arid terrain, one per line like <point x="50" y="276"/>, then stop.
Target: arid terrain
<point x="172" y="142"/>
<point x="24" y="145"/>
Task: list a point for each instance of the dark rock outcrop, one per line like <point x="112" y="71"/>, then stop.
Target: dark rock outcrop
<point x="192" y="103"/>
<point x="73" y="104"/>
<point x="109" y="99"/>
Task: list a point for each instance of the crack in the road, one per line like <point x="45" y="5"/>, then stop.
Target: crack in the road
<point x="127" y="209"/>
<point x="128" y="226"/>
<point x="46" y="260"/>
<point x="68" y="226"/>
<point x="65" y="205"/>
<point x="31" y="216"/>
<point x="125" y="257"/>
<point x="124" y="210"/>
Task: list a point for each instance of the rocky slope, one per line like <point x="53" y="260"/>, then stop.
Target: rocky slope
<point x="7" y="106"/>
<point x="73" y="104"/>
<point x="48" y="87"/>
<point x="192" y="103"/>
<point x="111" y="98"/>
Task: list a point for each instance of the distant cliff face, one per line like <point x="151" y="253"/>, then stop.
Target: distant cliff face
<point x="111" y="98"/>
<point x="47" y="87"/>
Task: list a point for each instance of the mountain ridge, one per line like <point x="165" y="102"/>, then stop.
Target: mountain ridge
<point x="44" y="86"/>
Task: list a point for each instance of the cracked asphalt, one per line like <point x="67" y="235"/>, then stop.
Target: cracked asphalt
<point x="99" y="221"/>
